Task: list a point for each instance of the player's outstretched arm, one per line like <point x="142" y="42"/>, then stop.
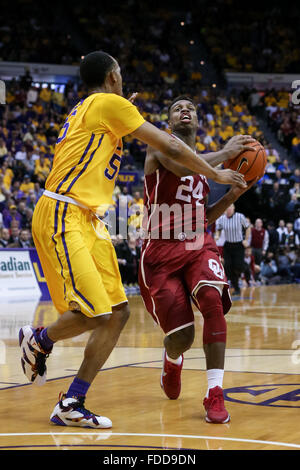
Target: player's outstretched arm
<point x="215" y="211"/>
<point x="181" y="153"/>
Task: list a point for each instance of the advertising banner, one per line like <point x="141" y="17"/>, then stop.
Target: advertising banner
<point x="17" y="276"/>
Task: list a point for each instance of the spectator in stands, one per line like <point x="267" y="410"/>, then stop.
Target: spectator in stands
<point x="12" y="217"/>
<point x="295" y="189"/>
<point x="277" y="199"/>
<point x="125" y="193"/>
<point x="251" y="269"/>
<point x="295" y="267"/>
<point x="292" y="206"/>
<point x="3" y="150"/>
<point x="290" y="238"/>
<point x="296" y="147"/>
<point x="270" y="168"/>
<point x="45" y="96"/>
<point x="121" y="248"/>
<point x="22" y="211"/>
<point x="132" y="256"/>
<point x="268" y="268"/>
<point x="297" y="225"/>
<point x="29" y="164"/>
<point x="21" y="154"/>
<point x="279" y="178"/>
<point x="4" y="237"/>
<point x="32" y="96"/>
<point x="31" y="200"/>
<point x="135" y="219"/>
<point x="295" y="178"/>
<point x="282" y="230"/>
<point x="273" y="237"/>
<point x="14" y="235"/>
<point x="26" y="185"/>
<point x="38" y="190"/>
<point x="25" y="238"/>
<point x="42" y="169"/>
<point x="283" y="262"/>
<point x="259" y="241"/>
<point x="284" y="167"/>
<point x="137" y="199"/>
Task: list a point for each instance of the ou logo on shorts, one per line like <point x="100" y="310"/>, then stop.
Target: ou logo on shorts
<point x="216" y="268"/>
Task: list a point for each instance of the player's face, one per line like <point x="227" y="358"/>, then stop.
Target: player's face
<point x="118" y="82"/>
<point x="183" y="116"/>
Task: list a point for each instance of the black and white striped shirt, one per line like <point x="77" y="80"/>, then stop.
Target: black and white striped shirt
<point x="233" y="227"/>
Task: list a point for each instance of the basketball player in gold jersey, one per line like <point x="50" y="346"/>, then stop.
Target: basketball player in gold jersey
<point x="74" y="247"/>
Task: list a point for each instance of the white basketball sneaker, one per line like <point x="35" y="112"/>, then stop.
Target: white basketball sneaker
<point x="33" y="358"/>
<point x="71" y="412"/>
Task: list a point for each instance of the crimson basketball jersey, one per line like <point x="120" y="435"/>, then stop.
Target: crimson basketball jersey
<point x="174" y="206"/>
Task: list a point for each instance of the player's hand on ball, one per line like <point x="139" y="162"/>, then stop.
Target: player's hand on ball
<point x="230" y="177"/>
<point x="236" y="145"/>
<point x="236" y="191"/>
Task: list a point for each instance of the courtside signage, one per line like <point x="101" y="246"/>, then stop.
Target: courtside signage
<point x="17" y="277"/>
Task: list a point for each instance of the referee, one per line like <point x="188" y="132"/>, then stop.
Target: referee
<point x="236" y="231"/>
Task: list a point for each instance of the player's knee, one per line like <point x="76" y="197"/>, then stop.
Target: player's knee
<point x="211" y="307"/>
<point x="183" y="339"/>
<point x="121" y="314"/>
<point x="209" y="301"/>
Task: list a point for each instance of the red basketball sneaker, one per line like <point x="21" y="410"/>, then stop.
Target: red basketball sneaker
<point x="170" y="379"/>
<point x="214" y="406"/>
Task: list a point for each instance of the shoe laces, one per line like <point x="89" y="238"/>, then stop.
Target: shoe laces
<point x="77" y="405"/>
<point x="41" y="363"/>
<point x="217" y="401"/>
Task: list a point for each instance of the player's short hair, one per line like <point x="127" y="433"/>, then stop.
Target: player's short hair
<point x="94" y="67"/>
<point x="179" y="98"/>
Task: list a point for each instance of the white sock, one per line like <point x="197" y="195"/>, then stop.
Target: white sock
<point x="177" y="361"/>
<point x="214" y="378"/>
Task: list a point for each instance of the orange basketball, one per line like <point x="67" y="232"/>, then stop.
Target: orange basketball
<point x="251" y="164"/>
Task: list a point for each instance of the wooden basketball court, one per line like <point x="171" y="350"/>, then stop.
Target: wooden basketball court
<point x="261" y="382"/>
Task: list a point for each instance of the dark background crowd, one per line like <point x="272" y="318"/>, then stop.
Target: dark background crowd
<point x="163" y="53"/>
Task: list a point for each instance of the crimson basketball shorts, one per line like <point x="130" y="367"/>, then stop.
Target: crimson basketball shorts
<point x="170" y="278"/>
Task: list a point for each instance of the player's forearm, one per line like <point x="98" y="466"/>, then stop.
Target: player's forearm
<point x="174" y="149"/>
<point x="215" y="211"/>
<point x="182" y="154"/>
<point x="215" y="158"/>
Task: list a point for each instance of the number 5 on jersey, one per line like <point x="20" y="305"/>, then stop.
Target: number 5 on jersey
<point x="113" y="167"/>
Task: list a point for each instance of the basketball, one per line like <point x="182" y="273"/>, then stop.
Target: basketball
<point x="251" y="164"/>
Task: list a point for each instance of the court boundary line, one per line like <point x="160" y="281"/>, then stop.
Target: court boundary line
<point x="139" y="365"/>
<point x="128" y="434"/>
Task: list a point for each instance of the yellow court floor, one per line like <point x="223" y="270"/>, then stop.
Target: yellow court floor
<point x="261" y="382"/>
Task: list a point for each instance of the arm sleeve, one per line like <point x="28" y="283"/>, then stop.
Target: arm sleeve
<point x="112" y="113"/>
<point x="244" y="221"/>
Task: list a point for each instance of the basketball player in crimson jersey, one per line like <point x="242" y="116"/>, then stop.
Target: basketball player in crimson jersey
<point x="171" y="275"/>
